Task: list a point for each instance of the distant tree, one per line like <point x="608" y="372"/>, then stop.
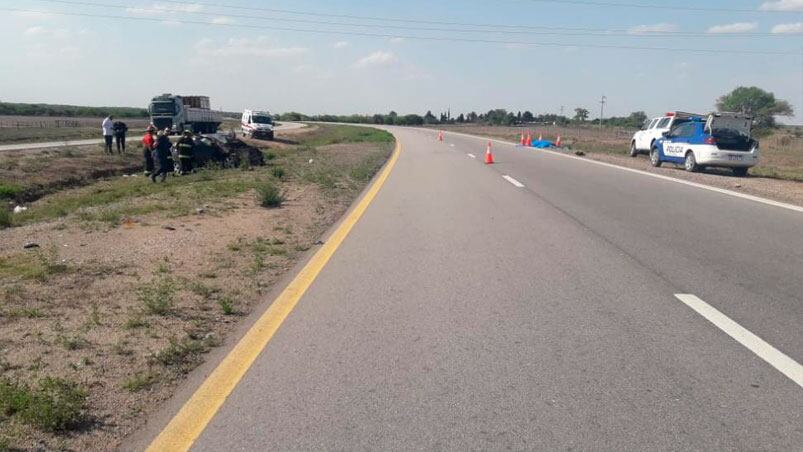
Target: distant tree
<point x="581" y="114"/>
<point x="444" y="117"/>
<point x="472" y="117"/>
<point x="429" y="118"/>
<point x="755" y="101"/>
<point x="461" y="118"/>
<point x="379" y="119"/>
<point x="527" y="117"/>
<point x="518" y="117"/>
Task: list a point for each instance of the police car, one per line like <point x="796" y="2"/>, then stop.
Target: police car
<point x="720" y="140"/>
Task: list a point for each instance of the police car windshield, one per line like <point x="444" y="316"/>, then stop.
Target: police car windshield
<point x="163" y="107"/>
<point x="262" y="120"/>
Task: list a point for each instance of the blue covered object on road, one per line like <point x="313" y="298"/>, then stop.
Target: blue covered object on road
<point x="543" y="144"/>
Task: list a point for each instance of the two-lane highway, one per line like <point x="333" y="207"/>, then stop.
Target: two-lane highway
<point x="536" y="304"/>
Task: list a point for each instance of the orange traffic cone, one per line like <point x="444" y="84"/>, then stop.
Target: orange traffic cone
<point x="557" y="142"/>
<point x="522" y="142"/>
<point x="489" y="157"/>
<point x="529" y="141"/>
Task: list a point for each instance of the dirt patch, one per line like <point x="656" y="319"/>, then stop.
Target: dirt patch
<point x="125" y="309"/>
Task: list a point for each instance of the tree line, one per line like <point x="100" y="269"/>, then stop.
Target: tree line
<point x="19" y="109"/>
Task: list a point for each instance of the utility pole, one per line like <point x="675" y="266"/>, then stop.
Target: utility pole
<point x="561" y="110"/>
<point x="602" y="110"/>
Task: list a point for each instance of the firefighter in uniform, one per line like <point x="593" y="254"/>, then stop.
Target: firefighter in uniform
<point x="148" y="144"/>
<point x="162" y="156"/>
<point x="185" y="146"/>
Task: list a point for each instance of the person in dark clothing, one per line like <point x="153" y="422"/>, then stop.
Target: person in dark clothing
<point x="185" y="147"/>
<point x="162" y="157"/>
<point x="120" y="128"/>
<point x="148" y="145"/>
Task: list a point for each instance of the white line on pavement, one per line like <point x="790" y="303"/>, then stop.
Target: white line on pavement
<point x="472" y="156"/>
<point x="513" y="181"/>
<point x="765" y="351"/>
<point x="770" y="202"/>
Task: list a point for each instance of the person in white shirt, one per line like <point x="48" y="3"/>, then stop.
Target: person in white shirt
<point x="108" y="132"/>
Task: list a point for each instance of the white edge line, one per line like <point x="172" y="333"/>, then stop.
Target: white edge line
<point x="761" y="348"/>
<point x="472" y="156"/>
<point x="770" y="202"/>
<point x="513" y="181"/>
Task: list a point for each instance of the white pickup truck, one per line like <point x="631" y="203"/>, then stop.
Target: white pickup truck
<point x="653" y="129"/>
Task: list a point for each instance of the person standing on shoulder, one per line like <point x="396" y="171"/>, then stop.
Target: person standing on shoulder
<point x="148" y="145"/>
<point x="108" y="133"/>
<point x="120" y="128"/>
<point x="185" y="146"/>
<point x="162" y="156"/>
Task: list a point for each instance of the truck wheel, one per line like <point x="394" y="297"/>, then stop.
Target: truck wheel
<point x="740" y="172"/>
<point x="655" y="159"/>
<point x="633" y="150"/>
<point x="270" y="136"/>
<point x="691" y="163"/>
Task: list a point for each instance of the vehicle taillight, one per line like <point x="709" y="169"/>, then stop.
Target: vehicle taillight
<point x="710" y="140"/>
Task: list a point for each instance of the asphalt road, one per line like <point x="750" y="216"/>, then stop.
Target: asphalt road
<point x="466" y="311"/>
<point x="131" y="137"/>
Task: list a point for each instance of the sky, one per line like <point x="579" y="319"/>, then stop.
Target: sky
<point x="373" y="56"/>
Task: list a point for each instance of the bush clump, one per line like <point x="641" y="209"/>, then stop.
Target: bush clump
<point x="55" y="405"/>
<point x="269" y="195"/>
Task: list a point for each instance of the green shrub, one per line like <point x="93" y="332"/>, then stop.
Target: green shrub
<point x="5" y="218"/>
<point x="269" y="195"/>
<point x="57" y="404"/>
<point x="9" y="191"/>
<point x="158" y="298"/>
<point x="278" y="172"/>
<point x="226" y="305"/>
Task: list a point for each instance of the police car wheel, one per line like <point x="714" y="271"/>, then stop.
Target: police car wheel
<point x="691" y="163"/>
<point x="655" y="159"/>
<point x="633" y="150"/>
<point x="740" y="172"/>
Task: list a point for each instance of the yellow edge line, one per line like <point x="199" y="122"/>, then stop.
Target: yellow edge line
<point x="191" y="420"/>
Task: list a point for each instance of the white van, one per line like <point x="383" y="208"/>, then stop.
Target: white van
<point x="257" y="124"/>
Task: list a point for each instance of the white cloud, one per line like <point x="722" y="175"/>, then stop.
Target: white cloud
<point x="223" y="20"/>
<point x="35" y="31"/>
<point x="163" y="8"/>
<point x="340" y="44"/>
<point x="40" y="31"/>
<point x="783" y="5"/>
<point x="312" y="71"/>
<point x="396" y="40"/>
<point x="378" y="58"/>
<point x="259" y="47"/>
<point x="737" y="27"/>
<point x="655" y="28"/>
<point x="788" y="28"/>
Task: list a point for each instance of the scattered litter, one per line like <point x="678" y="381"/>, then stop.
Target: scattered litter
<point x="30" y="245"/>
<point x="20" y="209"/>
<point x="169" y="228"/>
<point x="200" y="210"/>
<point x="310" y="161"/>
<point x="125" y="175"/>
<point x="738" y="185"/>
<point x="580" y="153"/>
<point x="319" y="242"/>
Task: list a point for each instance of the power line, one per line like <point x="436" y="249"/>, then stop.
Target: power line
<point x="534" y="31"/>
<point x="413" y="37"/>
<point x="664" y="7"/>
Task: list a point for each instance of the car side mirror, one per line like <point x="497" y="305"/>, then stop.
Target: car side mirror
<point x="666" y="134"/>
